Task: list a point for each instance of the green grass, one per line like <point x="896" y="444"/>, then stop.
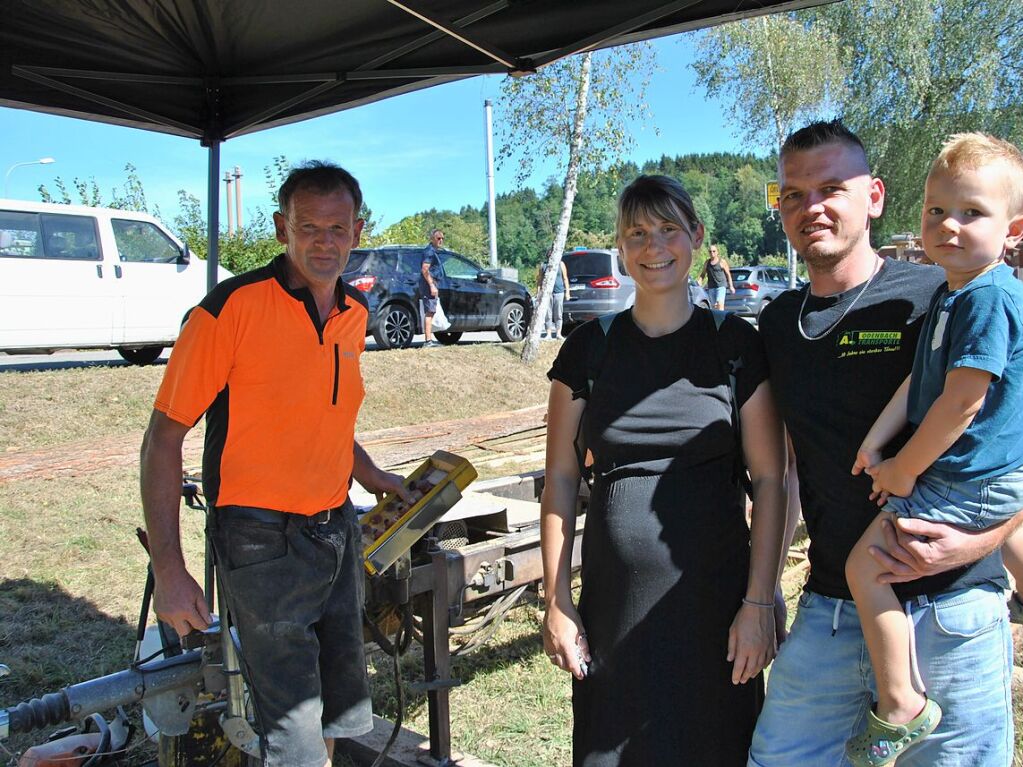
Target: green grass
<point x="404" y="386"/>
<point x="73" y="572"/>
<point x="513" y="706"/>
<point x="51" y="407"/>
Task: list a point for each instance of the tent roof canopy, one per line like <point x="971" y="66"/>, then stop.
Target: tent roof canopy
<point x="213" y="69"/>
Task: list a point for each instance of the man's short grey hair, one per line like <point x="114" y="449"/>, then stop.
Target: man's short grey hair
<point x="321" y="178"/>
<point x="434" y="231"/>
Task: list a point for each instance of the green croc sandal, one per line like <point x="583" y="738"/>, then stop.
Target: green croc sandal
<point x="882" y="742"/>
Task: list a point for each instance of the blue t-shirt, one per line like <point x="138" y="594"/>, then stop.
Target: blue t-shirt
<point x="431" y="257"/>
<point x="978" y="326"/>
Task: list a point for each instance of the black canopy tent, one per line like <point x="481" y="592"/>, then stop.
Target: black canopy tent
<point x="214" y="69"/>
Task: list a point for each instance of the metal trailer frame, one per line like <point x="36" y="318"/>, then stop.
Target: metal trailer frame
<point x="500" y="563"/>
<point x="440" y="586"/>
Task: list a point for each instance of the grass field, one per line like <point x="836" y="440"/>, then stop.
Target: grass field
<point x="404" y="386"/>
<point x="73" y="572"/>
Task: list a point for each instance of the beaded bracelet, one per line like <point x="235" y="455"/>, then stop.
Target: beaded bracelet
<point x="751" y="603"/>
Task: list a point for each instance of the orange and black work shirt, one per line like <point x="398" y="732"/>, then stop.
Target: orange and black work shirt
<point x="280" y="392"/>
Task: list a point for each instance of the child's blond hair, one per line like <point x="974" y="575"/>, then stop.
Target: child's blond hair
<point x="970" y="151"/>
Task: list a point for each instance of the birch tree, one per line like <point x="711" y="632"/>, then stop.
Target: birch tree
<point x="771" y="73"/>
<point x="919" y="71"/>
<point x="912" y="72"/>
<point x="580" y="112"/>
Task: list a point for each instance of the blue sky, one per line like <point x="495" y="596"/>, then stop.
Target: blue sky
<point x="410" y="153"/>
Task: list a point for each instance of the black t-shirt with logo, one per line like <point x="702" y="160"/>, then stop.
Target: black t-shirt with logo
<point x="830" y="392"/>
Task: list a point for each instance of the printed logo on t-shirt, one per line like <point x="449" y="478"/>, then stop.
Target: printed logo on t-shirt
<point x="856" y="343"/>
<point x="939" y="331"/>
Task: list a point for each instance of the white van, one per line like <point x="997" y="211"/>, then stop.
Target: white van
<point x="73" y="277"/>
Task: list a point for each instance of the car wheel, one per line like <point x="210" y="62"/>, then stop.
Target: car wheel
<point x="144" y="355"/>
<point x="512" y="326"/>
<point x="394" y="327"/>
<point x="447" y="337"/>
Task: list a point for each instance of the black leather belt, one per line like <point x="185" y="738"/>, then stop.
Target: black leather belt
<point x="274" y="517"/>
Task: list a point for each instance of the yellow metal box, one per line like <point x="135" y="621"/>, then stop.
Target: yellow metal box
<point x="392" y="526"/>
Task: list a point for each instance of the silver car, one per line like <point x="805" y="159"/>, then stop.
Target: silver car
<point x="755" y="288"/>
<point x="599" y="285"/>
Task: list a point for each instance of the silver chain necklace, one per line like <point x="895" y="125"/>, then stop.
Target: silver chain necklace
<point x="836" y="323"/>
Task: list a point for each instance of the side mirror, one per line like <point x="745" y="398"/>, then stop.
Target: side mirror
<point x="186" y="256"/>
<point x="484" y="277"/>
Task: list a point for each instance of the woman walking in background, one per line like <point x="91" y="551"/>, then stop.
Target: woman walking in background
<point x="717" y="277"/>
<point x="675" y="620"/>
<point x="562" y="291"/>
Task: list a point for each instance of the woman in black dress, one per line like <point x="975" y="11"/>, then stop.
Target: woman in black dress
<point x="675" y="620"/>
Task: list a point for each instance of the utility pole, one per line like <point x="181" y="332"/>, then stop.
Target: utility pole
<point x="227" y="201"/>
<point x="491" y="212"/>
<point x="238" y="197"/>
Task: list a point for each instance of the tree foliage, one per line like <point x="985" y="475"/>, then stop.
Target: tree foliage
<point x="728" y="194"/>
<point x="919" y="71"/>
<point x="464" y="232"/>
<point x="727" y="190"/>
<point x="250" y="247"/>
<point x="772" y="72"/>
<point x="903" y="74"/>
<point x="536" y="112"/>
<point x="576" y="113"/>
<point x="130" y="196"/>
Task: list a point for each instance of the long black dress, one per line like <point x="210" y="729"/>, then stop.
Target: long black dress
<point x="666" y="546"/>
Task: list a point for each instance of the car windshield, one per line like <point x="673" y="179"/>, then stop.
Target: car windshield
<point x="740" y="275"/>
<point x="587" y="265"/>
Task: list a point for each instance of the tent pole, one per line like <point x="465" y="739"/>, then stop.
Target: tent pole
<point x="213" y="216"/>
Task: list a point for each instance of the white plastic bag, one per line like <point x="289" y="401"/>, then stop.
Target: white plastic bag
<point x="440" y="320"/>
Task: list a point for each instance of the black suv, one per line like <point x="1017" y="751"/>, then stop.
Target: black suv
<point x="473" y="299"/>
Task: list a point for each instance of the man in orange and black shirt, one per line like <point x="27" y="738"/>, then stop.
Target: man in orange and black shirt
<point x="272" y="358"/>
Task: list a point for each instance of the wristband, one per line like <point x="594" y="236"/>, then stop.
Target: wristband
<point x="753" y="603"/>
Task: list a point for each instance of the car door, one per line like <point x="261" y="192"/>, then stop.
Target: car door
<point x="469" y="302"/>
<point x="55" y="290"/>
<point x="408" y="268"/>
<point x="155" y="286"/>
